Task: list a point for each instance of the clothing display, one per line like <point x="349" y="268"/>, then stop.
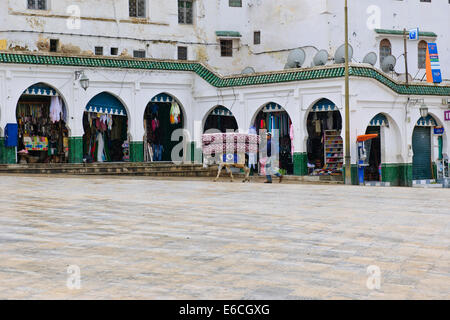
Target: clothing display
<point x="161" y="119"/>
<point x="175" y="113"/>
<point x="280" y="121"/>
<point x="252" y="156"/>
<point x="42" y="132"/>
<point x="104" y="137"/>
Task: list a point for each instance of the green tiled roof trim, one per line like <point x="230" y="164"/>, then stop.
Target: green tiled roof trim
<point x="228" y="34"/>
<point x="317" y="73"/>
<point x="400" y="32"/>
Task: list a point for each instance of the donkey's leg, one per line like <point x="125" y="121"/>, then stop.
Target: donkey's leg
<point x="228" y="168"/>
<point x="218" y="173"/>
<point x="247" y="174"/>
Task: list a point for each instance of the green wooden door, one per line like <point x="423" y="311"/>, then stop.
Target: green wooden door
<point x="421" y="144"/>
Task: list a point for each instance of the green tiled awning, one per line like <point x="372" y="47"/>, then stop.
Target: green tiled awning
<point x="228" y="34"/>
<point x="214" y="79"/>
<point x="400" y="32"/>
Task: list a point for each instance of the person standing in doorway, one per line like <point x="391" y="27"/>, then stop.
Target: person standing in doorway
<point x="269" y="166"/>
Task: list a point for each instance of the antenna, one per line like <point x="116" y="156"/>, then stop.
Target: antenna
<point x="388" y="63"/>
<point x="248" y="70"/>
<point x="339" y="56"/>
<point x="321" y="58"/>
<point x="370" y="58"/>
<point x="295" y="59"/>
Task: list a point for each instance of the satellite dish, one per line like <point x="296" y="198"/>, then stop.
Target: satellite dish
<point x="402" y="77"/>
<point x="248" y="70"/>
<point x="339" y="56"/>
<point x="370" y="58"/>
<point x="295" y="59"/>
<point x="321" y="58"/>
<point x="388" y="64"/>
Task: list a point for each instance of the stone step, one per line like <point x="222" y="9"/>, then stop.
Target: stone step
<point x="377" y="184"/>
<point x="421" y="182"/>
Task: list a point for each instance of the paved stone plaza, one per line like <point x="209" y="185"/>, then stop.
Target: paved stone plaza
<point x="195" y="239"/>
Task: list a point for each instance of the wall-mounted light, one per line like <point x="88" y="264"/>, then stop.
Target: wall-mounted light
<point x="84" y="81"/>
<point x="423" y="111"/>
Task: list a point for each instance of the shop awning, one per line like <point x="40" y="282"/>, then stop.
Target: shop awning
<point x="324" y="105"/>
<point x="426" y="122"/>
<point x="222" y="111"/>
<point x="163" y="98"/>
<point x="41" y="90"/>
<point x="379" y="120"/>
<point x="107" y="104"/>
<point x="273" y="107"/>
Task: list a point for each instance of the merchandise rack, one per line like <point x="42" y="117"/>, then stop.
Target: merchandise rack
<point x="334" y="150"/>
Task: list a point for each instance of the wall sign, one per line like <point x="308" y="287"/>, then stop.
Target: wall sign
<point x="447" y="115"/>
<point x="438" y="130"/>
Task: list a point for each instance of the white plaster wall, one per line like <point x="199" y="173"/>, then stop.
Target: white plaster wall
<point x="284" y="24"/>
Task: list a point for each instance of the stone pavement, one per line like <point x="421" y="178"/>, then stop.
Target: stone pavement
<point x="140" y="238"/>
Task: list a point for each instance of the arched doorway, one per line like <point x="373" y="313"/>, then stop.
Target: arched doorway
<point x="220" y="119"/>
<point x="325" y="146"/>
<point x="105" y="123"/>
<point x="43" y="135"/>
<point x="273" y="117"/>
<point x="421" y="145"/>
<point x="163" y="115"/>
<point x="373" y="171"/>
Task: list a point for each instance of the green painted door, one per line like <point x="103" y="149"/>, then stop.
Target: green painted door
<point x="421" y="144"/>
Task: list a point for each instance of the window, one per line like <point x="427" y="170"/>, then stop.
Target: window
<point x="182" y="53"/>
<point x="235" y="3"/>
<point x="385" y="49"/>
<point x="226" y="48"/>
<point x="98" y="51"/>
<point x="114" y="51"/>
<point x="139" y="53"/>
<point x="37" y="4"/>
<point x="257" y="37"/>
<point x="185" y="11"/>
<point x="422" y="54"/>
<point x="137" y="8"/>
<point x="54" y="45"/>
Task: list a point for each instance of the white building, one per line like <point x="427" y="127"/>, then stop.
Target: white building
<point x="45" y="45"/>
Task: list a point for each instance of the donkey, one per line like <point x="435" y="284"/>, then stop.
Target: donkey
<point x="210" y="160"/>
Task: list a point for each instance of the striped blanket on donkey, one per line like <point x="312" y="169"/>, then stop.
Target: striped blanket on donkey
<point x="229" y="150"/>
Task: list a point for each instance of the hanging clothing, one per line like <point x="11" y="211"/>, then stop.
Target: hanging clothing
<point x="330" y="120"/>
<point x="252" y="156"/>
<point x="55" y="109"/>
<point x="175" y="113"/>
<point x="101" y="148"/>
<point x="318" y="126"/>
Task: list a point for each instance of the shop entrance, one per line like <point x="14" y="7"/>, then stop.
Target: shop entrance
<point x="163" y="115"/>
<point x="421" y="144"/>
<point x="220" y="119"/>
<point x="325" y="146"/>
<point x="105" y="124"/>
<point x="43" y="136"/>
<point x="273" y="117"/>
<point x="373" y="171"/>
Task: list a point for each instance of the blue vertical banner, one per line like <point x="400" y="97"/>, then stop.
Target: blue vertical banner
<point x="434" y="64"/>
